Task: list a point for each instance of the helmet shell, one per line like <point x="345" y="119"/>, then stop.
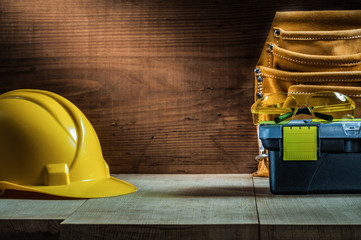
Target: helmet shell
<point x="48" y="145"/>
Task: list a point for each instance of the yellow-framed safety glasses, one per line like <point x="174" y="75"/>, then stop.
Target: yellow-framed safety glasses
<point x="323" y="106"/>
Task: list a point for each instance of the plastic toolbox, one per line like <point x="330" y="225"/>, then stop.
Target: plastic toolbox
<point x="312" y="157"/>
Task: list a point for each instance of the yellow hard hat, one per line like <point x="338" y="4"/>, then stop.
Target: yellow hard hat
<point x="47" y="145"/>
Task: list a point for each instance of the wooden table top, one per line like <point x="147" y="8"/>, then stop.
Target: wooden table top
<point x="194" y="206"/>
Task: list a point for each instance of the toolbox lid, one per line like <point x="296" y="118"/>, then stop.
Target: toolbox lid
<point x="336" y="129"/>
<point x="336" y="137"/>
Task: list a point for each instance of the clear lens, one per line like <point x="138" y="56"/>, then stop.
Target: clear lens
<point x="326" y="104"/>
<point x="278" y="107"/>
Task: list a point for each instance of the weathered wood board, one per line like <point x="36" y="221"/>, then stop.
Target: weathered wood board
<point x="171" y="207"/>
<point x="34" y="219"/>
<point x="321" y="216"/>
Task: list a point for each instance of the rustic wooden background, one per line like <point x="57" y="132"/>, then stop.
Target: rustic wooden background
<point x="167" y="85"/>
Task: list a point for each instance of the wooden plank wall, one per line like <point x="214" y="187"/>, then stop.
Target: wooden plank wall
<point x="166" y="84"/>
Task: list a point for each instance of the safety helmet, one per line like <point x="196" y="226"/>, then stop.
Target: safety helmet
<point x="47" y="145"/>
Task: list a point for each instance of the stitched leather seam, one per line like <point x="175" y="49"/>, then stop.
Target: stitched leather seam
<point x="259" y="85"/>
<point x="320" y="63"/>
<point x="277" y="41"/>
<point x="320" y="38"/>
<point x="352" y="95"/>
<point x="313" y="80"/>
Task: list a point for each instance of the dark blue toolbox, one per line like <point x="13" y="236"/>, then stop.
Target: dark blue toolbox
<point x="312" y="157"/>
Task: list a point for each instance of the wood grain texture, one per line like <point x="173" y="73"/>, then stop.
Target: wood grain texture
<point x="186" y="206"/>
<point x="34" y="219"/>
<point x="167" y="206"/>
<point x="37" y="209"/>
<point x="105" y="232"/>
<point x="330" y="216"/>
<point x="310" y="232"/>
<point x="166" y="84"/>
<point x="29" y="230"/>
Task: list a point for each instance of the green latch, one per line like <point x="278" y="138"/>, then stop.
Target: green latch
<point x="299" y="143"/>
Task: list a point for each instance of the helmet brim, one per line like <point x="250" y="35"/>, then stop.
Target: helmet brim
<point x="107" y="187"/>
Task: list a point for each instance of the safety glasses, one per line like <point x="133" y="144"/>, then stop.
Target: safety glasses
<point x="322" y="106"/>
